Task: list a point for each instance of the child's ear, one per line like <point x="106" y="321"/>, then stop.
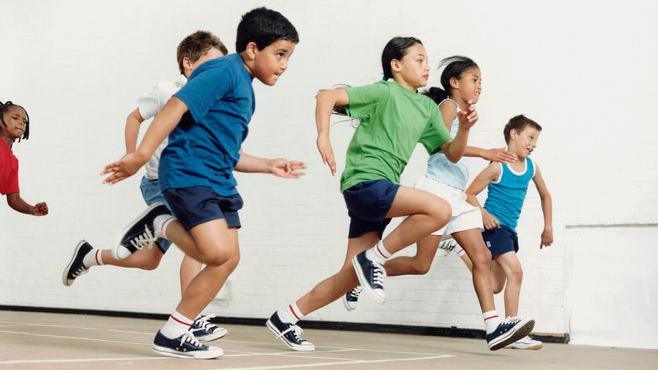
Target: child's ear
<point x="187" y="63"/>
<point x="454" y="82"/>
<point x="513" y="134"/>
<point x="251" y="50"/>
<point x="395" y="65"/>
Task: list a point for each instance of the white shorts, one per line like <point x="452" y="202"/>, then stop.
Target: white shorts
<point x="464" y="215"/>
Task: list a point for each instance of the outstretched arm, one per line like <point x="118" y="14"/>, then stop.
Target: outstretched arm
<point x="491" y="155"/>
<point x="17" y="203"/>
<point x="546" y="207"/>
<point x="489" y="174"/>
<point x="326" y="100"/>
<point x="131" y="132"/>
<point x="280" y="167"/>
<point x="162" y="125"/>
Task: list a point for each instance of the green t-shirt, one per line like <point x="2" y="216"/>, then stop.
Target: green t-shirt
<point x="392" y="120"/>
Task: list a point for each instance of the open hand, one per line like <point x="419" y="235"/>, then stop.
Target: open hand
<point x="499" y="155"/>
<point x="468" y="117"/>
<point x="286" y="169"/>
<point x="327" y="153"/>
<point x="122" y="169"/>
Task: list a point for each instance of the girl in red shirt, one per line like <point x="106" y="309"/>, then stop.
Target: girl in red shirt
<point x="14" y="124"/>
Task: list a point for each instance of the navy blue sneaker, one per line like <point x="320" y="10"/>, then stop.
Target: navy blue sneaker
<point x="371" y="276"/>
<point x="289" y="334"/>
<point x="351" y="298"/>
<point x="140" y="233"/>
<point x="509" y="331"/>
<point x="185" y="346"/>
<point x="206" y="331"/>
<point x="75" y="268"/>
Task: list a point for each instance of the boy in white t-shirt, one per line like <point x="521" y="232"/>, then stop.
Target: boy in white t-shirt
<point x="194" y="50"/>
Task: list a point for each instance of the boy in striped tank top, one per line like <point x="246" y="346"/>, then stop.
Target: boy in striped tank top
<point x="507" y="185"/>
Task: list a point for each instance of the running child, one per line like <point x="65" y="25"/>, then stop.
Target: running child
<point x="207" y="121"/>
<point x="15" y="125"/>
<point x="507" y="185"/>
<point x="193" y="51"/>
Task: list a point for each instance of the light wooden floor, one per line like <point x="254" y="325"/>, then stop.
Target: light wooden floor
<point x="63" y="341"/>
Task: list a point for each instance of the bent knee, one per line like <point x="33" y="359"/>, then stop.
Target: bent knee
<point x="441" y="212"/>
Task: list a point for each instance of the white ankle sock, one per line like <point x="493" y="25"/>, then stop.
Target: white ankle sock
<point x="93" y="258"/>
<point x="290" y="314"/>
<point x="176" y="326"/>
<point x="491" y="320"/>
<point x="378" y="253"/>
<point x="160" y="224"/>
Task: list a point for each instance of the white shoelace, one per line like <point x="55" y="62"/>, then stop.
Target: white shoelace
<point x="145" y="239"/>
<point x="188" y="337"/>
<point x="356" y="292"/>
<point x="379" y="274"/>
<point x="79" y="271"/>
<point x="296" y="331"/>
<point x="204" y="324"/>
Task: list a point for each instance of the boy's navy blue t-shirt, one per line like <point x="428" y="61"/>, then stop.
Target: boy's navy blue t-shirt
<point x="204" y="148"/>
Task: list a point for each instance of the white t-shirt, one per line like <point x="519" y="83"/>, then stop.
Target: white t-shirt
<point x="149" y="106"/>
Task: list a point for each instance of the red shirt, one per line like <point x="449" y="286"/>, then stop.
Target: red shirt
<point x="8" y="169"/>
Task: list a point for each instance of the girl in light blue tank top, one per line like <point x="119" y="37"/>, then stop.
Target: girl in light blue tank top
<point x="461" y="86"/>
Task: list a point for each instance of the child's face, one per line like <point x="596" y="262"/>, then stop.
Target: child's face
<point x="469" y="85"/>
<point x="524" y="142"/>
<point x="212" y="53"/>
<point x="270" y="63"/>
<point x="15" y="120"/>
<point x="413" y="68"/>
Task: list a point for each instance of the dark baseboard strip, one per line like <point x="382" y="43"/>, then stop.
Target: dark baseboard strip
<point x="326" y="325"/>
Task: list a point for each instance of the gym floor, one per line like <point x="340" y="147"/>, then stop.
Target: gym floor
<point x="68" y="341"/>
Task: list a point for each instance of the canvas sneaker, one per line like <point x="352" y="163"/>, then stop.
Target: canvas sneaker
<point x="289" y="334"/>
<point x="205" y="330"/>
<point x="185" y="346"/>
<point x="140" y="233"/>
<point x="351" y="298"/>
<point x="76" y="267"/>
<point x="371" y="276"/>
<point x="509" y="331"/>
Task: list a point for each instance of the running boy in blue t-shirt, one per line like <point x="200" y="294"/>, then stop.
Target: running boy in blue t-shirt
<point x="207" y="121"/>
<point x="507" y="185"/>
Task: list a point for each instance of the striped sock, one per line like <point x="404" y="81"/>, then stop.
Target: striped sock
<point x="160" y="225"/>
<point x="290" y="314"/>
<point x="378" y="253"/>
<point x="491" y="320"/>
<point x="93" y="258"/>
<point x="176" y="326"/>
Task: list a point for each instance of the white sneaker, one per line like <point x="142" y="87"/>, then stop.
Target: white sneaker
<point x="526" y="343"/>
<point x="448" y="246"/>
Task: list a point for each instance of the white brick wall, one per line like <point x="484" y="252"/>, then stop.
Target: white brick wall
<point x="78" y="68"/>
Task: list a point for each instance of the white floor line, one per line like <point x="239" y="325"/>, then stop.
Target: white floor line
<point x="74" y="360"/>
<point x="151" y="333"/>
<point x="288" y="352"/>
<point x="75" y="338"/>
<point x="340" y="363"/>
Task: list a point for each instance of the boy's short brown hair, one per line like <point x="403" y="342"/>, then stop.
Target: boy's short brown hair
<point x="195" y="45"/>
<point x="518" y="124"/>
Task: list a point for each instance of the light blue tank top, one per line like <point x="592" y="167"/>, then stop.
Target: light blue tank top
<point x="439" y="167"/>
<point x="506" y="196"/>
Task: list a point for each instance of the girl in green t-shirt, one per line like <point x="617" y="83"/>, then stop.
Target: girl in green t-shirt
<point x="393" y="118"/>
